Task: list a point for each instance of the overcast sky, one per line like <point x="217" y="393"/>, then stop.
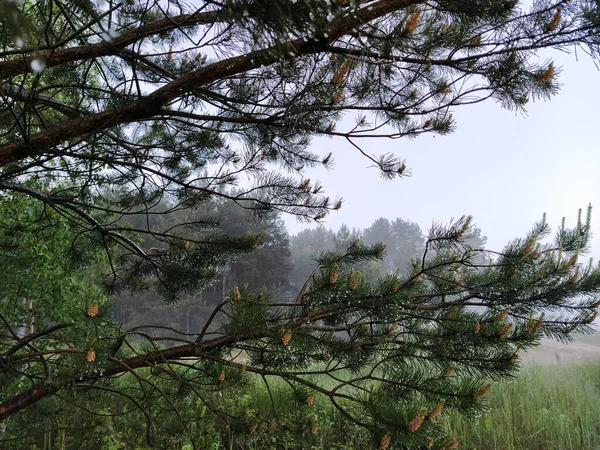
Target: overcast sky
<point x="499" y="166"/>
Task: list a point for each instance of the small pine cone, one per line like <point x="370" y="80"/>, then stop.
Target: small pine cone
<point x="501" y="315"/>
<point x="504" y="331"/>
<point x="553" y="25"/>
<point x="314" y="429"/>
<point x="253" y="428"/>
<point x="572" y="260"/>
<point x="436" y="410"/>
<point x="222" y="376"/>
<point x="452" y="445"/>
<point x="310" y="400"/>
<point x="385" y="442"/>
<point x="305" y="185"/>
<point x="236" y="294"/>
<point x="448" y="373"/>
<point x="591" y="318"/>
<point x="515" y="356"/>
<point x="334" y="275"/>
<point x="575" y="276"/>
<point x="413" y="21"/>
<point x="528" y="247"/>
<point x="547" y="75"/>
<point x="481" y="392"/>
<point x="477" y="327"/>
<point x="90" y="356"/>
<point x="338" y="96"/>
<point x="475" y="40"/>
<point x="186" y="245"/>
<point x="538" y="323"/>
<point x="286" y="338"/>
<point x="93" y="310"/>
<point x="430" y="443"/>
<point x="354" y="282"/>
<point x="341" y="73"/>
<point x="417" y="421"/>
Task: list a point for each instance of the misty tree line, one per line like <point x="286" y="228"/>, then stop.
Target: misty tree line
<point x="278" y="267"/>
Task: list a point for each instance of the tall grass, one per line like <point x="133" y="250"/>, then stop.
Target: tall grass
<point x="545" y="408"/>
<point x="548" y="407"/>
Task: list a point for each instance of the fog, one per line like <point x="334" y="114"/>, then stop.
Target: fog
<point x="502" y="167"/>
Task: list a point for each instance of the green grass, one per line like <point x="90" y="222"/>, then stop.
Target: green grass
<point x="545" y="408"/>
<point x="550" y="407"/>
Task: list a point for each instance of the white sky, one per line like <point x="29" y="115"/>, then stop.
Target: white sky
<point x="504" y="169"/>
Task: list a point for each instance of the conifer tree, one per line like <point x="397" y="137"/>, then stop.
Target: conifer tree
<point x="110" y="108"/>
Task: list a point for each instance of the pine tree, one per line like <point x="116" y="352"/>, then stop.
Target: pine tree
<point x="108" y="110"/>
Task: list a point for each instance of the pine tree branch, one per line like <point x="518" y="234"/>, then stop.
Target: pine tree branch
<point x="152" y="104"/>
<point x="44" y="389"/>
<point x="32" y="337"/>
<point x="48" y="199"/>
<point x="28" y="97"/>
<point x="54" y="58"/>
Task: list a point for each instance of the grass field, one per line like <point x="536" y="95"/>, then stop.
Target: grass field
<point x="554" y="404"/>
<point x="546" y="408"/>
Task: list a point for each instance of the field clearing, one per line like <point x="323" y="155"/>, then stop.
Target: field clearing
<point x="554" y="404"/>
<point x="584" y="348"/>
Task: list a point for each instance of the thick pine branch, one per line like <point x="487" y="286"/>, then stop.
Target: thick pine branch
<point x="152" y="105"/>
<point x="54" y="58"/>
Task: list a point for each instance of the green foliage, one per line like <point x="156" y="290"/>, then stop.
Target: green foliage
<point x="128" y="129"/>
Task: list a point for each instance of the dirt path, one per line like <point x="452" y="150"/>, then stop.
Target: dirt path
<point x="553" y="352"/>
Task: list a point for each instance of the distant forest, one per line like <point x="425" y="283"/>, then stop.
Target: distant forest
<point x="278" y="267"/>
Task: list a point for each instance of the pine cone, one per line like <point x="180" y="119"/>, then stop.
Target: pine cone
<point x="93" y="310"/>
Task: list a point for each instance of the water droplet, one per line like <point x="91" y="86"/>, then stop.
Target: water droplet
<point x="102" y="5"/>
<point x="112" y="30"/>
<point x="38" y="65"/>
